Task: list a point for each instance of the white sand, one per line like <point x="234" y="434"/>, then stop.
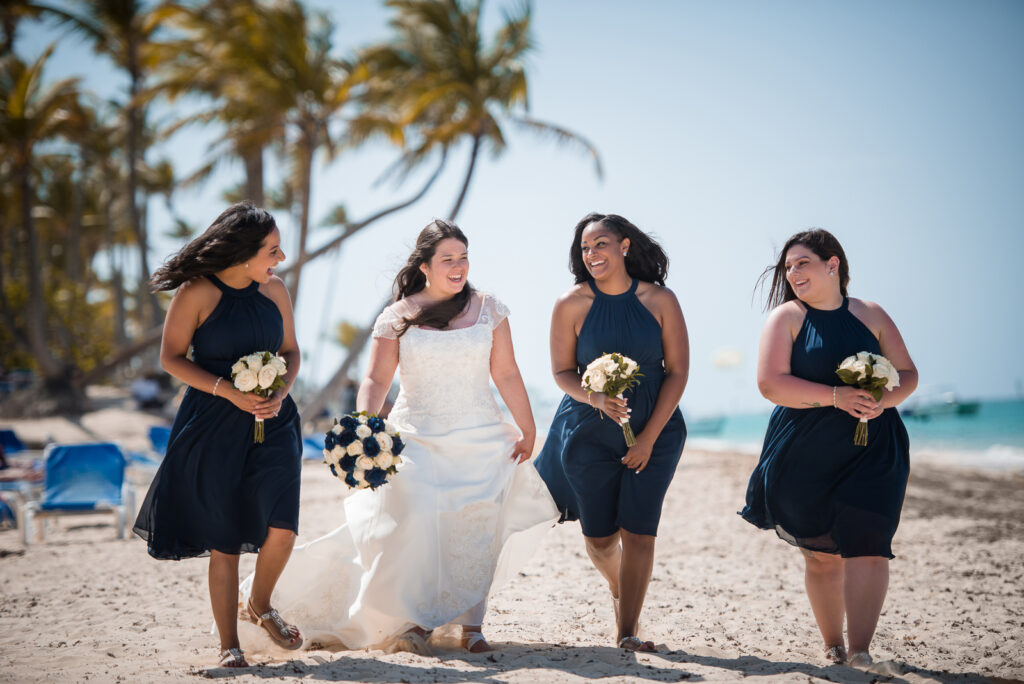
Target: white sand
<point x="726" y="600"/>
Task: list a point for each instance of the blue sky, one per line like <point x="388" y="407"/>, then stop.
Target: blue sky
<point x="724" y="127"/>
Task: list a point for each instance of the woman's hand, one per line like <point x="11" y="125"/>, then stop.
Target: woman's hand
<point x="637" y="457"/>
<point x="270" y="406"/>
<point x="523" y="449"/>
<point x="613" y="407"/>
<point x="258" y="406"/>
<point x="857" y="402"/>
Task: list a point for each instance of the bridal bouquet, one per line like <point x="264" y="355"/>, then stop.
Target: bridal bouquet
<point x="363" y="450"/>
<point x="613" y="374"/>
<point x="261" y="373"/>
<point x="869" y="372"/>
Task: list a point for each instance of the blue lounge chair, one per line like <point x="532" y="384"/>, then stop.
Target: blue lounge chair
<point x="10" y="442"/>
<point x="82" y="479"/>
<point x="159" y="436"/>
<point x="312" y="448"/>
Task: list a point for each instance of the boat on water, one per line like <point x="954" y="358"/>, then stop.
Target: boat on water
<point x="943" y="404"/>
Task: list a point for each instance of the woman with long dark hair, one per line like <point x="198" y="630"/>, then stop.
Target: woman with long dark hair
<point x="838" y="502"/>
<point x="217" y="493"/>
<point x="618" y="304"/>
<point x="459" y="516"/>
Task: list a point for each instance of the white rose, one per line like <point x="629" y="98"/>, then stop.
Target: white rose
<point x="355" y="448"/>
<point x="631" y="366"/>
<point x="860" y="368"/>
<point x="609" y="366"/>
<point x="363" y="431"/>
<point x="396" y="460"/>
<point x="363" y="484"/>
<point x="863" y="356"/>
<point x="338" y="452"/>
<point x="362" y="418"/>
<point x="254" y="362"/>
<point x="384" y="460"/>
<point x="384" y="440"/>
<point x="389" y="428"/>
<point x="328" y="456"/>
<point x="337" y="429"/>
<point x="364" y="463"/>
<point x="246" y="381"/>
<point x="267" y="376"/>
<point x="238" y="367"/>
<point x="358" y="475"/>
<point x="278" y="363"/>
<point x="596" y="380"/>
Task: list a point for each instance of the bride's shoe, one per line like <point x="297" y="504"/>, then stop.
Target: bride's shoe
<point x="475" y="642"/>
<point x="411" y="642"/>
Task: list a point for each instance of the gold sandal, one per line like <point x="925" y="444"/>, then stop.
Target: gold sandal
<point x="279" y="630"/>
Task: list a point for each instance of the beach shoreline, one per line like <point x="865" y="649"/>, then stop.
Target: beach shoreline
<point x="726" y="600"/>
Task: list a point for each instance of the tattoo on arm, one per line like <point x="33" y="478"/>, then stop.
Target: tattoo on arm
<point x="812" y="404"/>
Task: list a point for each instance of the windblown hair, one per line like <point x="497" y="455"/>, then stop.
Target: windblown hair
<point x="411" y="279"/>
<point x="235" y="236"/>
<point x="819" y="241"/>
<point x="646" y="260"/>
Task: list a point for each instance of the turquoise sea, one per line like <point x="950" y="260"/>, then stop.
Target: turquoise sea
<point x="993" y="437"/>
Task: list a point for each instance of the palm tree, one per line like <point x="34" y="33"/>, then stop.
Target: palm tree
<point x="122" y="30"/>
<point x="438" y="84"/>
<point x="32" y="113"/>
<point x="446" y="85"/>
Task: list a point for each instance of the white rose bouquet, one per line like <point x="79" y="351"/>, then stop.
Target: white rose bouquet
<point x="613" y="374"/>
<point x="363" y="450"/>
<point x="261" y="373"/>
<point x="871" y="372"/>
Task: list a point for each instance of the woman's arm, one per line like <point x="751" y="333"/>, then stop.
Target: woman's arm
<point x="569" y="309"/>
<point x="183" y="317"/>
<point x="675" y="344"/>
<point x="779" y="386"/>
<point x="278" y="293"/>
<point x="509" y="381"/>
<point x="373" y="390"/>
<point x="894" y="349"/>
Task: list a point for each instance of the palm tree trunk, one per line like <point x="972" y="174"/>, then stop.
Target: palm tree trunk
<point x="115" y="269"/>
<point x="74" y="255"/>
<point x="253" y="160"/>
<point x="469" y="175"/>
<point x="36" y="312"/>
<point x="307" y="147"/>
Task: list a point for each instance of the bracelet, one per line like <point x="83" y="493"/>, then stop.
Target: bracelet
<point x="834" y="397"/>
<point x="590" y="401"/>
<point x="215" y="386"/>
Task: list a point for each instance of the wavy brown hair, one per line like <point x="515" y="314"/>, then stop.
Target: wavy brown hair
<point x="646" y="260"/>
<point x="411" y="279"/>
<point x="824" y="244"/>
<point x="234" y="236"/>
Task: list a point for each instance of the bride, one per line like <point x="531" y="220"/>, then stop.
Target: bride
<point x="459" y="517"/>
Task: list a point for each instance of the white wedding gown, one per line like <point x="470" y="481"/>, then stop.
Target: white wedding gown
<point x="458" y="518"/>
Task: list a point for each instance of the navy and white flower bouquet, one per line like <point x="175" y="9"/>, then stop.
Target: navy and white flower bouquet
<point x="363" y="450"/>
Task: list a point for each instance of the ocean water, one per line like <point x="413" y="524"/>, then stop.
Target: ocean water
<point x="991" y="438"/>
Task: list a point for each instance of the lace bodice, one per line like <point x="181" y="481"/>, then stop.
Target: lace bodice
<point x="445" y="374"/>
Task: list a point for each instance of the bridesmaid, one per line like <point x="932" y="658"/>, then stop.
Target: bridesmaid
<point x="618" y="304"/>
<point x="217" y="493"/>
<point x="838" y="502"/>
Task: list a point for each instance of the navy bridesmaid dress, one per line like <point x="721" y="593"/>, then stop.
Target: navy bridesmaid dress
<point x="581" y="458"/>
<point x="813" y="485"/>
<point x="216" y="489"/>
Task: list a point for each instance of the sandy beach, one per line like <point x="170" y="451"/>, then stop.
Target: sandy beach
<point x="726" y="601"/>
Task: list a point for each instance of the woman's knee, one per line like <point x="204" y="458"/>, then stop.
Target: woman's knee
<point x="823" y="563"/>
<point x="602" y="546"/>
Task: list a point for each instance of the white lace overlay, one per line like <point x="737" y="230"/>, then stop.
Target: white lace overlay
<point x="429" y="545"/>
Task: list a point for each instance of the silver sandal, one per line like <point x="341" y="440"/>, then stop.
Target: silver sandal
<point x="233" y="657"/>
<point x="279" y="630"/>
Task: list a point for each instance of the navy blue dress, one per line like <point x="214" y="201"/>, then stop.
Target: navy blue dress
<point x="216" y="489"/>
<point x="581" y="458"/>
<point x="813" y="486"/>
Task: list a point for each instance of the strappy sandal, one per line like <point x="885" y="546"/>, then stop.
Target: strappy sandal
<point x="410" y="642"/>
<point x="279" y="630"/>
<point x="474" y="638"/>
<point x="836" y="654"/>
<point x="632" y="643"/>
<point x="233" y="657"/>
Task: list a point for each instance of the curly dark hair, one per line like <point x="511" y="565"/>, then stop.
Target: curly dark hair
<point x="234" y="236"/>
<point x="411" y="279"/>
<point x="824" y="244"/>
<point x="646" y="260"/>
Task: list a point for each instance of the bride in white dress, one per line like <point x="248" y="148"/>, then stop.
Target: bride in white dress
<point x="459" y="517"/>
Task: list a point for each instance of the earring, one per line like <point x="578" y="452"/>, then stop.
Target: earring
<point x="831" y="274"/>
<point x="626" y="253"/>
<point x="247" y="264"/>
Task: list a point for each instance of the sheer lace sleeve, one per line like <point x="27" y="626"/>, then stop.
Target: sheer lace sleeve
<point x="494" y="311"/>
<point x="386" y="323"/>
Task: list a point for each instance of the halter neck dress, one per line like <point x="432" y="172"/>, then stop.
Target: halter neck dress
<point x="216" y="488"/>
<point x="813" y="485"/>
<point x="581" y="458"/>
